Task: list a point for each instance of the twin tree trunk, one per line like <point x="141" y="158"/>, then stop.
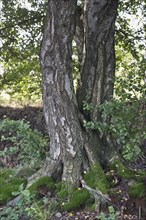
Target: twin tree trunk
<point x="91" y="25"/>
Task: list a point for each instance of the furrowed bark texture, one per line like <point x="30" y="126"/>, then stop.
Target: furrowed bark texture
<point x="98" y="64"/>
<point x="60" y="105"/>
<point x="70" y="144"/>
<point x="79" y="35"/>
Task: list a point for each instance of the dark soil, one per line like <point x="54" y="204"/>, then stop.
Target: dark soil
<point x="128" y="208"/>
<point x="32" y="114"/>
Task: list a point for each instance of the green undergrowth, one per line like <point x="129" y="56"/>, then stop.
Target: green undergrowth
<point x="78" y="197"/>
<point x="138" y="190"/>
<point x="9" y="183"/>
<point x="97" y="179"/>
<point x="61" y="190"/>
<point x="122" y="171"/>
<point x="28" y="146"/>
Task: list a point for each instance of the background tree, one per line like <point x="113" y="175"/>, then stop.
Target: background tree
<point x="21" y="24"/>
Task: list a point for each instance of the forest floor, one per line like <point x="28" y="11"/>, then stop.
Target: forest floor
<point x="128" y="208"/>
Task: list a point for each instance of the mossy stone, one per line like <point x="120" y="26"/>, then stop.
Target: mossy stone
<point x="43" y="181"/>
<point x="96" y="179"/>
<point x="79" y="198"/>
<point x="138" y="190"/>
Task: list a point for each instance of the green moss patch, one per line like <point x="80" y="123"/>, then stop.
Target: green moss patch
<point x="61" y="190"/>
<point x="138" y="190"/>
<point x="43" y="181"/>
<point x="59" y="186"/>
<point x="96" y="179"/>
<point x="6" y="174"/>
<point x="62" y="194"/>
<point x="9" y="184"/>
<point x="79" y="198"/>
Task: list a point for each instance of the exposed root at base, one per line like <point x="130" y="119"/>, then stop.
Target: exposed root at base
<point x="49" y="168"/>
<point x="96" y="193"/>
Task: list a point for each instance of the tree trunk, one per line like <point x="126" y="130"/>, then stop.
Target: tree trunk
<point x="98" y="62"/>
<point x="98" y="65"/>
<point x="71" y="146"/>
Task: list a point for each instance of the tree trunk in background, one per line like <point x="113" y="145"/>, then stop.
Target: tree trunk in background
<point x="71" y="146"/>
<point x="98" y="62"/>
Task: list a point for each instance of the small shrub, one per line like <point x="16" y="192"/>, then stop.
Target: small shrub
<point x="126" y="127"/>
<point x="29" y="145"/>
<point x="17" y="211"/>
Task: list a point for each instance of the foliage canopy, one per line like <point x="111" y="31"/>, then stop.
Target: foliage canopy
<point x="21" y="33"/>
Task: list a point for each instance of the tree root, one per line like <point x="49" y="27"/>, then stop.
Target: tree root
<point x="14" y="201"/>
<point x="100" y="198"/>
<point x="49" y="168"/>
<point x="96" y="193"/>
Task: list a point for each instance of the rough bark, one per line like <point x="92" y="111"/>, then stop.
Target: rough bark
<point x="60" y="105"/>
<point x="79" y="35"/>
<point x="98" y="64"/>
<point x="71" y="146"/>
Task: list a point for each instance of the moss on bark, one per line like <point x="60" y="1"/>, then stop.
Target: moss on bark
<point x="97" y="179"/>
<point x="79" y="198"/>
<point x="43" y="181"/>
